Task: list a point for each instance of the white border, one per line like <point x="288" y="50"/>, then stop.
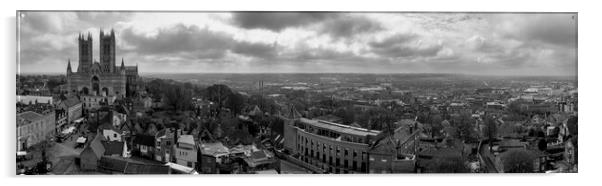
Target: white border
<point x="589" y="68"/>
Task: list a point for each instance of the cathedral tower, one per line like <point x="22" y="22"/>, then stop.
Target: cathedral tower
<point x="85" y="53"/>
<point x="107" y="51"/>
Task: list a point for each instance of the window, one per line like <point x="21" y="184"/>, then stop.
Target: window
<point x="354" y="153"/>
<point x="346" y="151"/>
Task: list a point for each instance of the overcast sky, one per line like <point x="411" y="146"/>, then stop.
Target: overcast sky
<point x="166" y="42"/>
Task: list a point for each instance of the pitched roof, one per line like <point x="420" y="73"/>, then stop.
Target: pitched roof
<point x="256" y="111"/>
<point x="188" y="139"/>
<point x="129" y="166"/>
<point x="70" y="102"/>
<point x="138" y="168"/>
<point x="258" y="158"/>
<point x="96" y="146"/>
<point x="258" y="155"/>
<point x="441" y="152"/>
<point x="113" y="147"/>
<point x="213" y="149"/>
<point x="144" y="140"/>
<point x="30" y="116"/>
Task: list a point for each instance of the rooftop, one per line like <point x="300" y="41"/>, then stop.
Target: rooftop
<point x="188" y="139"/>
<point x="340" y="127"/>
<point x="30" y="116"/>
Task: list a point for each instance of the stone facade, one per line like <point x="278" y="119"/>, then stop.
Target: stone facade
<point x="329" y="146"/>
<point x="102" y="78"/>
<point x="33" y="128"/>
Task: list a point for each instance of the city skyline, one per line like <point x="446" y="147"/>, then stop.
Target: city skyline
<point x="505" y="44"/>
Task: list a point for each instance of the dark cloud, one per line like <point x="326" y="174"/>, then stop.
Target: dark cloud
<point x="322" y="55"/>
<point x="180" y="39"/>
<point x="406" y="51"/>
<point x="554" y="29"/>
<point x="348" y="26"/>
<point x="36" y="22"/>
<point x="38" y="55"/>
<point x="513" y="59"/>
<point x="192" y="42"/>
<point x="402" y="45"/>
<point x="393" y="41"/>
<point x="277" y="21"/>
<point x="259" y="50"/>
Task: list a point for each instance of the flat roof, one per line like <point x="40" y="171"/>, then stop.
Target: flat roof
<point x="340" y="127"/>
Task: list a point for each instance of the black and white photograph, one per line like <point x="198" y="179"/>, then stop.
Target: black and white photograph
<point x="294" y="92"/>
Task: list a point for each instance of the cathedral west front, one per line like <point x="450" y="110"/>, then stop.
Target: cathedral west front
<point x="101" y="79"/>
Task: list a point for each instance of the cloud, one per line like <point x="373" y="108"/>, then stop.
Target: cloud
<point x="349" y="26"/>
<point x="180" y="39"/>
<point x="555" y="29"/>
<point x="311" y="42"/>
<point x="404" y="45"/>
<point x="105" y="19"/>
<point x="277" y="21"/>
<point x="259" y="50"/>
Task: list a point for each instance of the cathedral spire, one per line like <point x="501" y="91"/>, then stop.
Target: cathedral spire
<point x="122" y="65"/>
<point x="69" y="65"/>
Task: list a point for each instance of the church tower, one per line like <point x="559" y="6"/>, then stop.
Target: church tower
<point x="69" y="71"/>
<point x="107" y="51"/>
<point x="85" y="53"/>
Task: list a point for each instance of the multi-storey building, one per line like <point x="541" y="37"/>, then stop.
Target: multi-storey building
<point x="186" y="152"/>
<point x="332" y="147"/>
<point x="73" y="108"/>
<point x="34" y="127"/>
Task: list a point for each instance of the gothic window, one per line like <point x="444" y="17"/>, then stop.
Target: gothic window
<point x="95" y="85"/>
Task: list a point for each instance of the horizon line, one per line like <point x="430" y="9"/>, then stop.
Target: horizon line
<point x="366" y="73"/>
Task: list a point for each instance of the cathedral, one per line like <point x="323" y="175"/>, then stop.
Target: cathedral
<point x="101" y="78"/>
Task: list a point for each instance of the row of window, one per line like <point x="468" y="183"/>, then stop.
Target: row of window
<point x="343" y="158"/>
<point x="304" y="142"/>
<point x="336" y="167"/>
<point x="35" y="127"/>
